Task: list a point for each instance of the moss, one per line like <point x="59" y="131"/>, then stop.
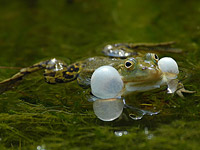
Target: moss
<point x="36" y="115"/>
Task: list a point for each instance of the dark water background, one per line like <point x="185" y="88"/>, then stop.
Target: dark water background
<point x="36" y="115"/>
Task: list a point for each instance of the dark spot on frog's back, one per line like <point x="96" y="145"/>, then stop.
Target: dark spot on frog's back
<point x="73" y="68"/>
<point x="67" y="75"/>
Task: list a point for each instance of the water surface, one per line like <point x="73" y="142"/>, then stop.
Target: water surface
<point x="36" y="115"/>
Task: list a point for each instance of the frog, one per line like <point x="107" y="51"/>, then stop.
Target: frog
<point x="135" y="62"/>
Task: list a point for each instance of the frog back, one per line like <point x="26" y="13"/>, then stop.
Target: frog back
<point x="91" y="64"/>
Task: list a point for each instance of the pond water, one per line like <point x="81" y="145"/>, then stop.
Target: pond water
<point x="37" y="115"/>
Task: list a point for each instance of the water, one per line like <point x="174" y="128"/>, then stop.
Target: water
<point x="36" y="115"/>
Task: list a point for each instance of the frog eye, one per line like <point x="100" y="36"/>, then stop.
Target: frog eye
<point x="155" y="57"/>
<point x="152" y="56"/>
<point x="129" y="64"/>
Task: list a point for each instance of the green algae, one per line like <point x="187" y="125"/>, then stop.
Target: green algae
<point x="36" y="115"/>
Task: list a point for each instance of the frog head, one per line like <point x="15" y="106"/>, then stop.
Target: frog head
<point x="141" y="70"/>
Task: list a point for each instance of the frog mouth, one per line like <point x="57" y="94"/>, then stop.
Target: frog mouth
<point x="152" y="78"/>
<point x="141" y="84"/>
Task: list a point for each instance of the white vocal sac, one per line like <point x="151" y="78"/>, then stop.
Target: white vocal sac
<point x="168" y="65"/>
<point x="106" y="82"/>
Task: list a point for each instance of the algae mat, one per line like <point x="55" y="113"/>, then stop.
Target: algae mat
<point x="36" y="115"/>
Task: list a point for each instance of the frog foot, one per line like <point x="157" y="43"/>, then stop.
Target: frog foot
<point x="175" y="86"/>
<point x="180" y="90"/>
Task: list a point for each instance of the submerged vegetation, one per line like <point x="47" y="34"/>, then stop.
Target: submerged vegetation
<point x="37" y="115"/>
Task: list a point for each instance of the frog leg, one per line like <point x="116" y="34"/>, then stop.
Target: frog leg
<point x="124" y="50"/>
<point x="175" y="85"/>
<point x="84" y="78"/>
<point x="161" y="47"/>
<point x="118" y="50"/>
<point x="56" y="71"/>
<point x="25" y="71"/>
<point x="181" y="89"/>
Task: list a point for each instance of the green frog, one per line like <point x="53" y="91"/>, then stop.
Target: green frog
<point x="136" y="65"/>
